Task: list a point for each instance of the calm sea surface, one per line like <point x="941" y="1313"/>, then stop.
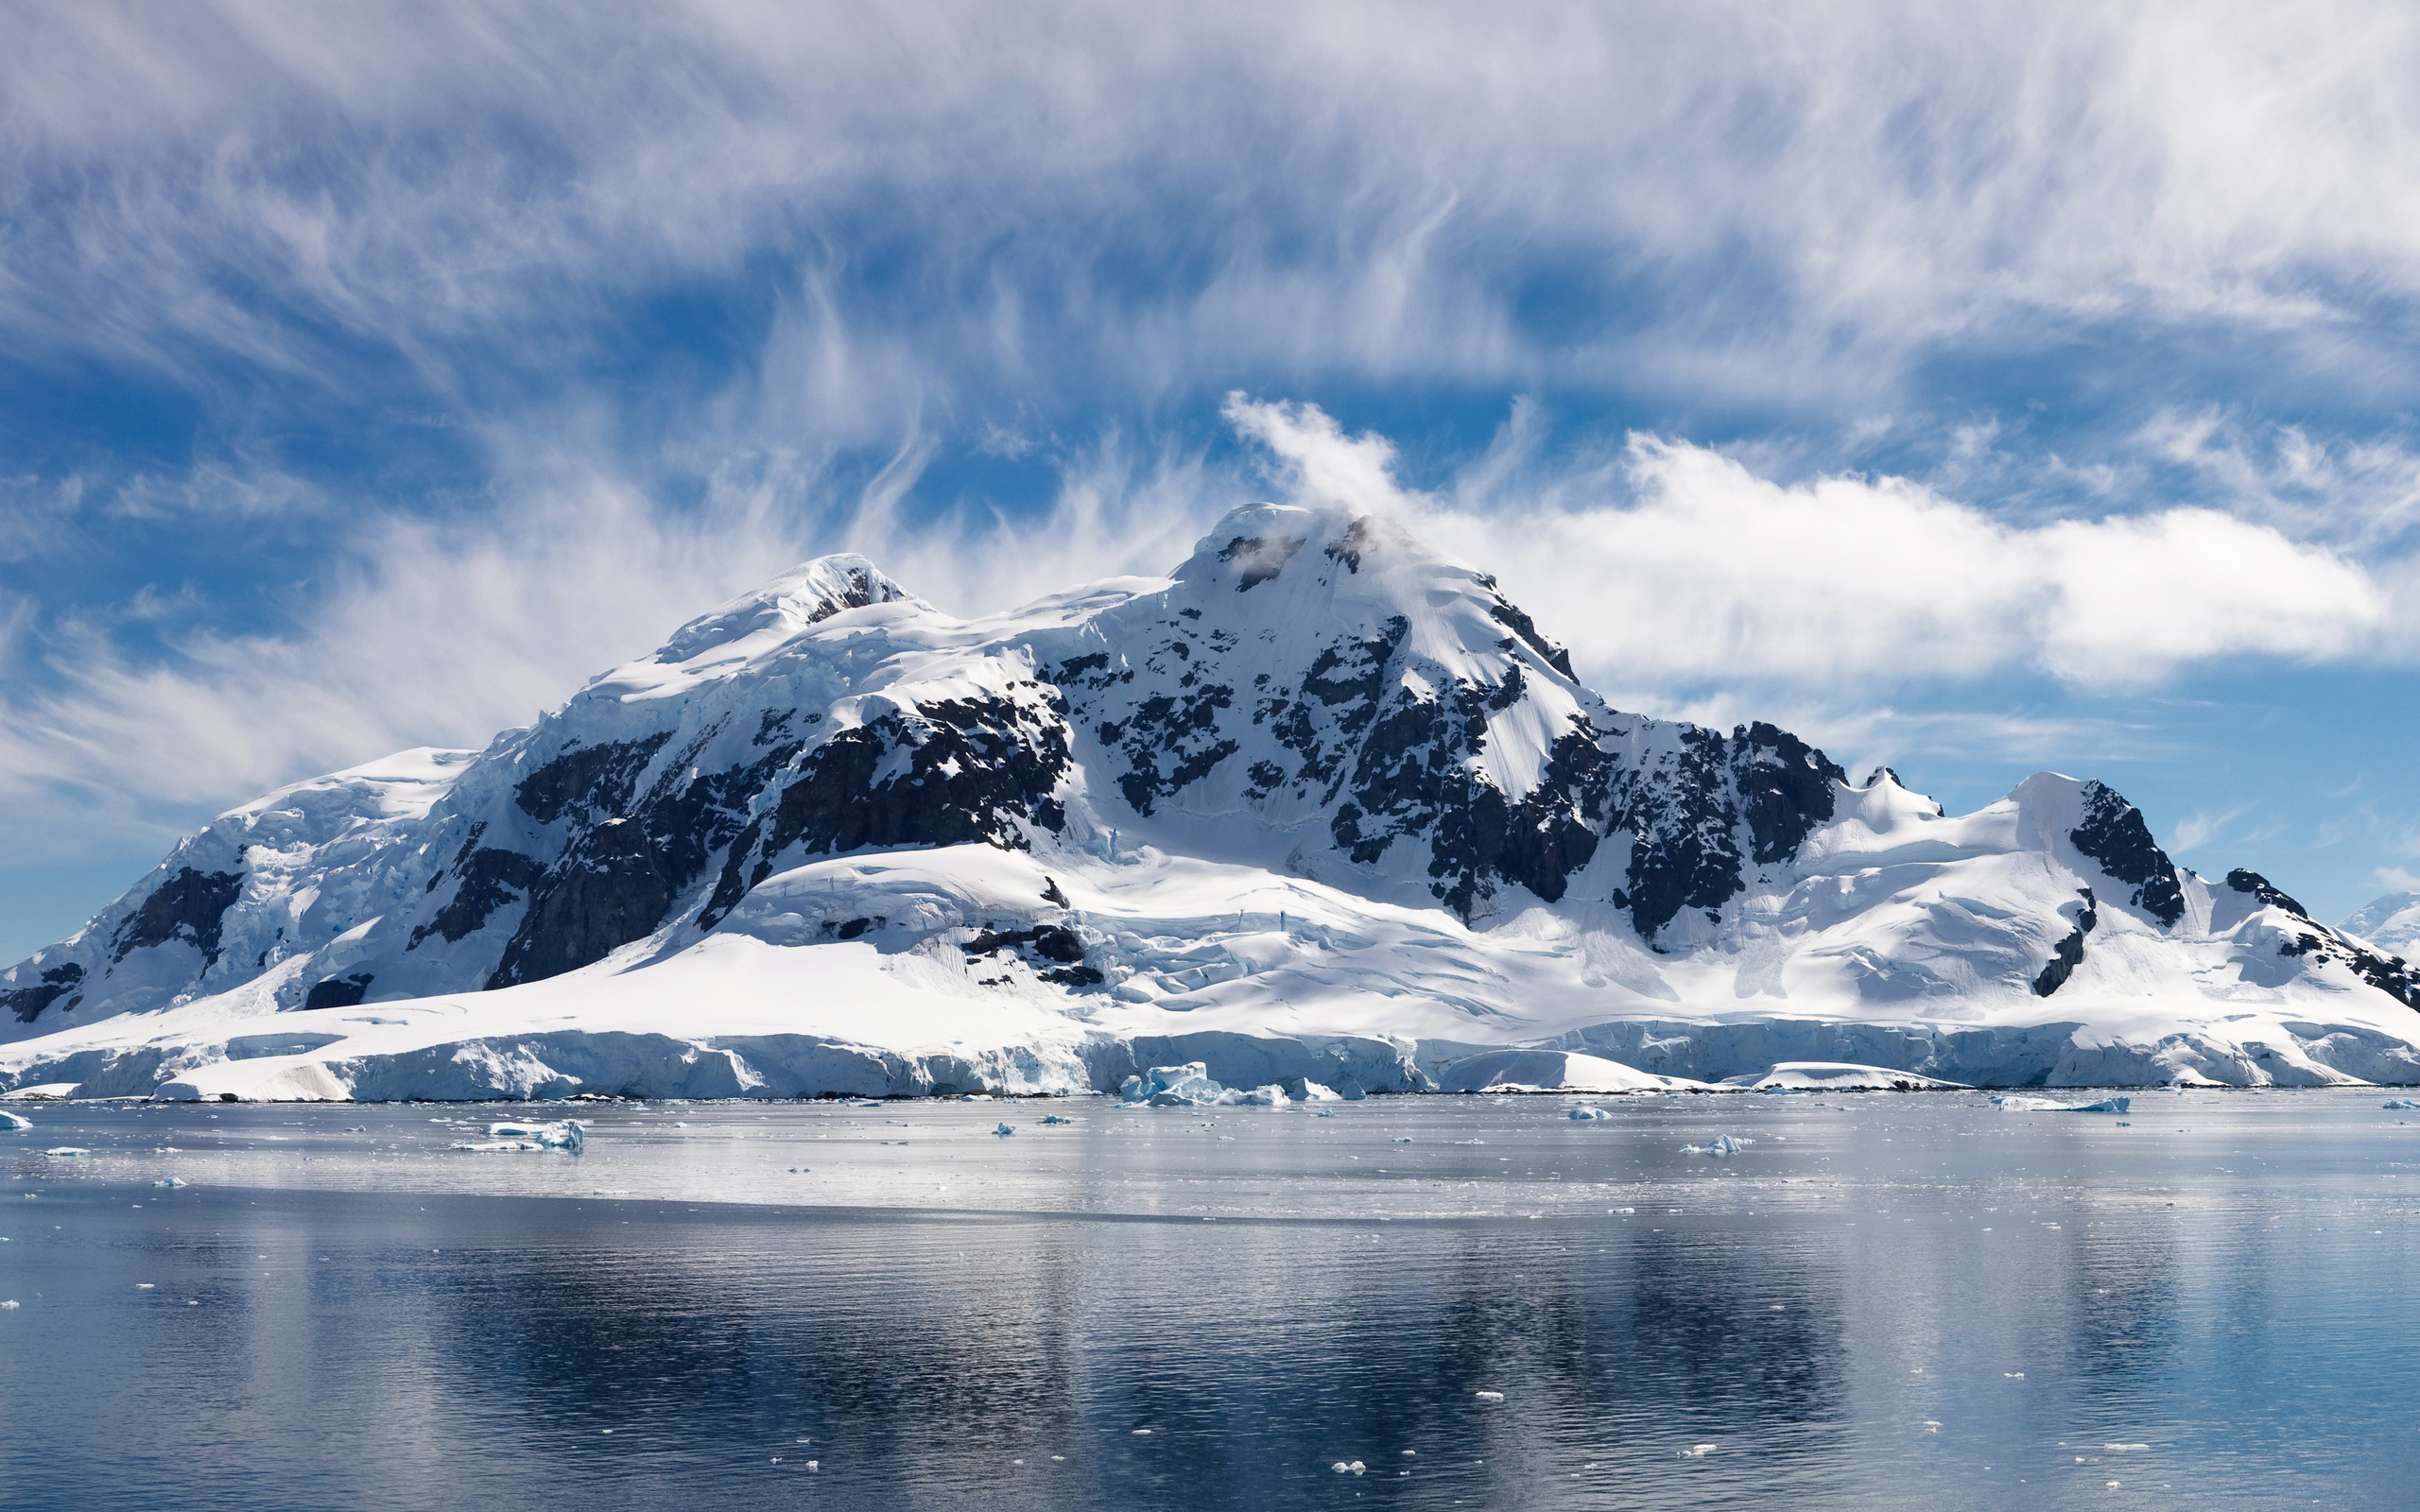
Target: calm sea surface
<point x="1883" y="1300"/>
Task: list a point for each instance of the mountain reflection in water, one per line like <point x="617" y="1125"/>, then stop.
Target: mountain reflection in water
<point x="1892" y="1301"/>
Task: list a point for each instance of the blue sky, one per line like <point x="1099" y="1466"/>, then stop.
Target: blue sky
<point x="1974" y="389"/>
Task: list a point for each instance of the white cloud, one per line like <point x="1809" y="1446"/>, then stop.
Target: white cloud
<point x="1809" y="197"/>
<point x="441" y="632"/>
<point x="1675" y="566"/>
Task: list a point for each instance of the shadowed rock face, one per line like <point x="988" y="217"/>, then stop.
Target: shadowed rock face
<point x="187" y="906"/>
<point x="26" y="1003"/>
<point x="2068" y="953"/>
<point x="2112" y="832"/>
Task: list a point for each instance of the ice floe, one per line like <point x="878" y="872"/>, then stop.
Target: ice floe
<point x="1721" y="1144"/>
<point x="570" y="1134"/>
<point x="2043" y="1104"/>
<point x="13" y="1121"/>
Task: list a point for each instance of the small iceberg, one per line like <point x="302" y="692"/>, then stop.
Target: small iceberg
<point x="171" y="1181"/>
<point x="1489" y="1396"/>
<point x="68" y="1149"/>
<point x="2396" y="1106"/>
<point x="1720" y="1144"/>
<point x="2041" y="1104"/>
<point x="502" y="1138"/>
<point x="19" y="1121"/>
<point x="1190" y="1086"/>
<point x="1005" y="1130"/>
<point x="1053" y="1118"/>
<point x="1588" y="1114"/>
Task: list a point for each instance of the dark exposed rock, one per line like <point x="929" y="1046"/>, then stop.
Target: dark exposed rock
<point x="2256" y="884"/>
<point x="338" y="993"/>
<point x="26" y="1003"/>
<point x="1262" y="559"/>
<point x="1521" y="625"/>
<point x="1052" y="942"/>
<point x="188" y="906"/>
<point x="976" y="768"/>
<point x="1785" y="788"/>
<point x="2114" y="833"/>
<point x="587" y="782"/>
<point x="489" y="878"/>
<point x="2068" y="953"/>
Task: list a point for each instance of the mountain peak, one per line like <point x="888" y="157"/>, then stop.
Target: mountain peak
<point x="807" y="593"/>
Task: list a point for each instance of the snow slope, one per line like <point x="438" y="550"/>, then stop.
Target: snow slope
<point x="1321" y="803"/>
<point x="2391" y="923"/>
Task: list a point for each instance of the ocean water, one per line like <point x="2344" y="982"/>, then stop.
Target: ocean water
<point x="1879" y="1300"/>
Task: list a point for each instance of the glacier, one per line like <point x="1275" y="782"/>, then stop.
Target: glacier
<point x="1320" y="809"/>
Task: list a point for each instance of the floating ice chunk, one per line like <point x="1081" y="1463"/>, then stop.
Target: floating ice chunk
<point x="1005" y="1130"/>
<point x="1720" y="1144"/>
<point x="9" y="1306"/>
<point x="1470" y="1141"/>
<point x="568" y="1135"/>
<point x="1489" y="1396"/>
<point x="1351" y="1468"/>
<point x="1584" y="1114"/>
<point x="2038" y="1105"/>
<point x="1697" y="1450"/>
<point x="2125" y="1449"/>
<point x="2398" y="1105"/>
<point x="20" y="1121"/>
<point x="67" y="1149"/>
<point x="1323" y="1114"/>
<point x="1269" y="1096"/>
<point x="1053" y="1118"/>
<point x="1185" y="1086"/>
<point x="171" y="1181"/>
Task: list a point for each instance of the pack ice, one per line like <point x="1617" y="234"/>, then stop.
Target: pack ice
<point x="1323" y="806"/>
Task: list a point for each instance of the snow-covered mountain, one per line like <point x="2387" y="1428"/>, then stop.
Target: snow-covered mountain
<point x="1322" y="803"/>
<point x="2391" y="923"/>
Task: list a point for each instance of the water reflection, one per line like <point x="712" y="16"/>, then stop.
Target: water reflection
<point x="1896" y="1302"/>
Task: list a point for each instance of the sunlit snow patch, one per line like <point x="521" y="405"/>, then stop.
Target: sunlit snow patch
<point x="1539" y="1071"/>
<point x="1842" y="1076"/>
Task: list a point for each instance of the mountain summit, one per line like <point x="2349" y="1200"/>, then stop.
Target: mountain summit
<point x="1323" y="798"/>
